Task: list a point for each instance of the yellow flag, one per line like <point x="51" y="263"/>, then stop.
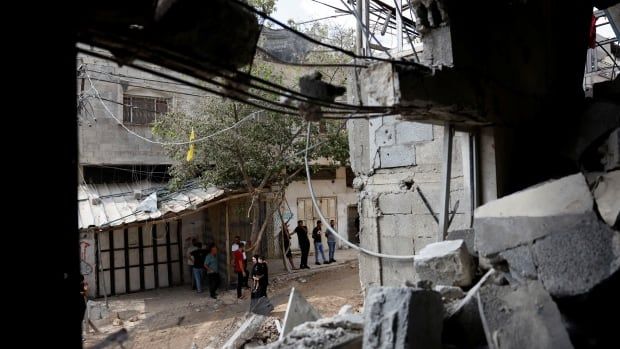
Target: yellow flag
<point x="190" y="152"/>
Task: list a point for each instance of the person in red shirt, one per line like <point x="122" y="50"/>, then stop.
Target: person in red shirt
<point x="239" y="268"/>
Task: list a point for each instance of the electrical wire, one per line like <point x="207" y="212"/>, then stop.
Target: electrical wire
<point x="247" y="117"/>
<point x="324" y="220"/>
<point x="280" y="61"/>
<point x="327" y="114"/>
<point x="346" y="108"/>
<point x="335" y="48"/>
<point x="322" y="18"/>
<point x="330" y="6"/>
<point x="361" y="24"/>
<point x="197" y="86"/>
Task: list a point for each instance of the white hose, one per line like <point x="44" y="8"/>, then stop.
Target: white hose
<point x="324" y="220"/>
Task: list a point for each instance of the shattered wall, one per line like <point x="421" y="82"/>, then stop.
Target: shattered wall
<point x="396" y="164"/>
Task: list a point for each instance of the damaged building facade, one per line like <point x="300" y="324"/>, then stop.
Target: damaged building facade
<point x="495" y="189"/>
<point x="123" y="250"/>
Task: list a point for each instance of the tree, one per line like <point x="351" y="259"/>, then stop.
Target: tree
<point x="267" y="6"/>
<point x="263" y="152"/>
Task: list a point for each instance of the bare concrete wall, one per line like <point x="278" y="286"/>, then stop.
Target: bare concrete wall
<point x="102" y="141"/>
<point x="394" y="161"/>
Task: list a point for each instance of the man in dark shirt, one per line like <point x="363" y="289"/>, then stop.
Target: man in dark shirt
<point x="318" y="243"/>
<point x="198" y="258"/>
<point x="304" y="243"/>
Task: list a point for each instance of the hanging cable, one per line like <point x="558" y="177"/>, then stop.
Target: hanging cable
<point x="324" y="220"/>
<point x="318" y="42"/>
<point x="191" y="84"/>
<point x="361" y="24"/>
<point x="328" y="114"/>
<point x="247" y="117"/>
<point x="245" y="77"/>
<point x="280" y="61"/>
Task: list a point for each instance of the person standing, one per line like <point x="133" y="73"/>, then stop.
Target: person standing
<point x="235" y="244"/>
<point x="213" y="275"/>
<point x="263" y="261"/>
<point x="239" y="269"/>
<point x="318" y="243"/>
<point x="331" y="241"/>
<point x="259" y="278"/>
<point x="198" y="259"/>
<point x="286" y="240"/>
<point x="304" y="243"/>
<point x="190" y="261"/>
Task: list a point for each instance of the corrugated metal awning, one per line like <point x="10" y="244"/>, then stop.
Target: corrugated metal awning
<point x="115" y="204"/>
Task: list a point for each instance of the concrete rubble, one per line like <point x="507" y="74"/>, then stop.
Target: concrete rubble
<point x="450" y="293"/>
<point x="550" y="232"/>
<point x="607" y="197"/>
<point x="537" y="270"/>
<point x="341" y="331"/>
<point x="298" y="311"/>
<point x="402" y="317"/>
<point x="445" y="263"/>
<point x="522" y="316"/>
<point x="466" y="235"/>
<point x="533" y="213"/>
<point x="245" y="332"/>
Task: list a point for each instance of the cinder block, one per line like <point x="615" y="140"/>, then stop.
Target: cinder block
<point x="397" y="156"/>
<point x="409" y="132"/>
<point x="445" y="263"/>
<point x="402" y="317"/>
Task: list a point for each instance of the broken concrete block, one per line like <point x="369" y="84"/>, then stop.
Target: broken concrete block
<point x="530" y="214"/>
<point x="574" y="261"/>
<point x="449" y="293"/>
<point x="522" y="316"/>
<point x="298" y="311"/>
<point x="245" y="332"/>
<point x="338" y="332"/>
<point x="445" y="263"/>
<point x="261" y="306"/>
<point x="466" y="235"/>
<point x="520" y="262"/>
<point x="402" y="317"/>
<point x="607" y="197"/>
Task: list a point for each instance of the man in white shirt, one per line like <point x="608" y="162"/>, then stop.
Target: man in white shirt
<point x="190" y="261"/>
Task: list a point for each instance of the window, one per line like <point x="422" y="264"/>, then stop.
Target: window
<point x="143" y="110"/>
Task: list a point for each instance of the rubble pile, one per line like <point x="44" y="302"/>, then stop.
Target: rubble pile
<point x="540" y="269"/>
<point x="340" y="331"/>
<point x="555" y="260"/>
<point x="267" y="333"/>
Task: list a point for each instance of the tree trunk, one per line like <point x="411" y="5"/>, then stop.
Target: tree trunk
<point x="255" y="212"/>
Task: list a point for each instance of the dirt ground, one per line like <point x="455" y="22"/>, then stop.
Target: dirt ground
<point x="178" y="317"/>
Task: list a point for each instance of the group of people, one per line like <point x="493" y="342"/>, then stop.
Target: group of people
<point x="204" y="266"/>
<point x="203" y="262"/>
<point x="304" y="243"/>
<point x="259" y="273"/>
